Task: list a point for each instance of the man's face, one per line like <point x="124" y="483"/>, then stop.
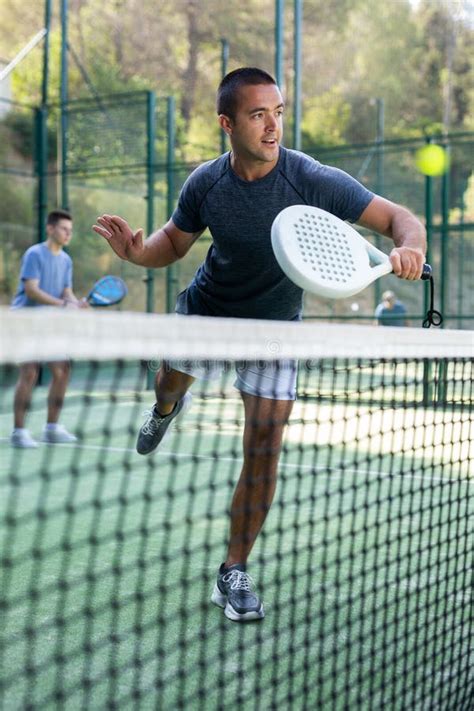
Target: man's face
<point x="61" y="232"/>
<point x="257" y="128"/>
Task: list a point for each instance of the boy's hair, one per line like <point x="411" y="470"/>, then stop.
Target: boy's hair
<point x="227" y="93"/>
<point x="55" y="215"/>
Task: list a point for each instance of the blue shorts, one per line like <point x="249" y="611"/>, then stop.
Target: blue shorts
<point x="275" y="380"/>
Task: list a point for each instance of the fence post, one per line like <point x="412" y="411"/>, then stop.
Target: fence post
<point x="171" y="278"/>
<point x="298" y="12"/>
<point x="64" y="105"/>
<point x="279" y="41"/>
<point x="150" y="189"/>
<point x="460" y="267"/>
<point x="224" y="63"/>
<point x="444" y="252"/>
<point x="429" y="228"/>
<point x="428" y="386"/>
<point x="41" y="146"/>
<point x="380" y="186"/>
<point x="45" y="78"/>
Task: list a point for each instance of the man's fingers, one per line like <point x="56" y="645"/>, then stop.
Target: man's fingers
<point x="102" y="231"/>
<point x="109" y="223"/>
<point x="407" y="263"/>
<point x="120" y="223"/>
<point x="396" y="262"/>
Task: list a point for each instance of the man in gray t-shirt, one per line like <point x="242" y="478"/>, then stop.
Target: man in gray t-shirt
<point x="237" y="197"/>
<point x="240" y="276"/>
<point x="45" y="280"/>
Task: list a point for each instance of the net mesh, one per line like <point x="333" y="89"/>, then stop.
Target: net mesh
<point x="363" y="564"/>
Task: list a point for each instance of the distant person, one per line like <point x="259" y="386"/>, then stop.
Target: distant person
<point x="45" y="280"/>
<point x="390" y="311"/>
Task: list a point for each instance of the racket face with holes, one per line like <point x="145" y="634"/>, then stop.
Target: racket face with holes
<point x="324" y="255"/>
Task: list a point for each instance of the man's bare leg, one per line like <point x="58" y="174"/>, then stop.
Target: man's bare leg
<point x="265" y="421"/>
<point x="170" y="386"/>
<point x="60" y="371"/>
<point x="24" y="388"/>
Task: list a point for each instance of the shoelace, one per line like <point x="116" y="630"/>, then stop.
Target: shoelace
<point x="152" y="424"/>
<point x="238" y="580"/>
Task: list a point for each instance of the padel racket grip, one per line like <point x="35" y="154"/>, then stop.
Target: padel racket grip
<point x="427" y="272"/>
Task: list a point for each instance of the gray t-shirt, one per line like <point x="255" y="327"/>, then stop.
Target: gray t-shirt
<point x="240" y="276"/>
<point x="54" y="272"/>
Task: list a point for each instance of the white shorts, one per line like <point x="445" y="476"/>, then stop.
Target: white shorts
<point x="275" y="380"/>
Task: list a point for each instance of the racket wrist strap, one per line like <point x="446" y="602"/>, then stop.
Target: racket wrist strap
<point x="433" y="317"/>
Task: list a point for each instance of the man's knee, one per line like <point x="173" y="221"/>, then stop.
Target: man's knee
<point x="264" y="440"/>
<point x="29" y="374"/>
<point x="60" y="370"/>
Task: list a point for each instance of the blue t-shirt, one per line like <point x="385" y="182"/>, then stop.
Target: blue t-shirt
<point x="54" y="272"/>
<point x="391" y="317"/>
<point x="240" y="276"/>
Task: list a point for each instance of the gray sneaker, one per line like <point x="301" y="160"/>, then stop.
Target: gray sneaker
<point x="233" y="591"/>
<point x="155" y="426"/>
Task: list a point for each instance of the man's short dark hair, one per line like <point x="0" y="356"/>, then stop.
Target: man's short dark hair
<point x="56" y="215"/>
<point x="227" y="93"/>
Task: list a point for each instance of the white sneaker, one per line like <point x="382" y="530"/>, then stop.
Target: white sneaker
<point x="22" y="439"/>
<point x="58" y="435"/>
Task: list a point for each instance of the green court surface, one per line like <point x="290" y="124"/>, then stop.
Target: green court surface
<point x="364" y="563"/>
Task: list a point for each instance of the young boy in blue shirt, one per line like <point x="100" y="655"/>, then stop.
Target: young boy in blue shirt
<point x="45" y="280"/>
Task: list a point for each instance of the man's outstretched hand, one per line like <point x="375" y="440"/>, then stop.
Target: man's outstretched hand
<point x="126" y="244"/>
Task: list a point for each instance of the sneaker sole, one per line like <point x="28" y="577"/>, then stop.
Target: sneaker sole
<point x="220" y="600"/>
<point x="58" y="441"/>
<point x="231" y="614"/>
<point x="24" y="446"/>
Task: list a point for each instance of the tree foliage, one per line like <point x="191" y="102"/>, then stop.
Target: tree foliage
<point x="415" y="56"/>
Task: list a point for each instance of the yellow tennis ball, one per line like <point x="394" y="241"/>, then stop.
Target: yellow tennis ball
<point x="432" y="160"/>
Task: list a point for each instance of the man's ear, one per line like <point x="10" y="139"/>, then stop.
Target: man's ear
<point x="226" y="124"/>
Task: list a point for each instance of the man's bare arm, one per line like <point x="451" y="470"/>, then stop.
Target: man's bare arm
<point x="406" y="231"/>
<point x="162" y="248"/>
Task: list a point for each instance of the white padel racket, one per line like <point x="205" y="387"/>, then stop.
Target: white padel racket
<point x="326" y="256"/>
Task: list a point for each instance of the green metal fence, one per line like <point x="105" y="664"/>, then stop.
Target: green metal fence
<point x="18" y="189"/>
<point x="120" y="159"/>
<point x="445" y="204"/>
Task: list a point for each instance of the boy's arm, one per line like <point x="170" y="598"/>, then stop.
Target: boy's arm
<point x="33" y="292"/>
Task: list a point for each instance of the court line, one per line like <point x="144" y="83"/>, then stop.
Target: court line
<point x="340" y="470"/>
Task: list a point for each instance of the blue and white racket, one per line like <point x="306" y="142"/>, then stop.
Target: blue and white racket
<point x="109" y="290"/>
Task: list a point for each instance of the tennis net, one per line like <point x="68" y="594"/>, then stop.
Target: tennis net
<point x="364" y="563"/>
